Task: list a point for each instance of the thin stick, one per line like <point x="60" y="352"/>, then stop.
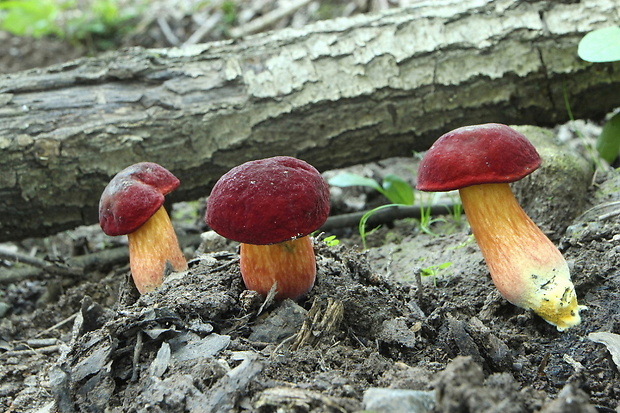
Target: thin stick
<point x="382" y="216"/>
<point x="261" y="23"/>
<point x="204" y="29"/>
<point x="47" y="266"/>
<point x="57" y="325"/>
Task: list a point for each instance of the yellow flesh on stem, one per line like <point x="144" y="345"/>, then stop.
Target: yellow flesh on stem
<point x="526" y="267"/>
<point x="291" y="264"/>
<point x="152" y="247"/>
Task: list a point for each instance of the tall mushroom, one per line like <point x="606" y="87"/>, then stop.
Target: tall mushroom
<point x="526" y="267"/>
<point x="132" y="205"/>
<point x="270" y="206"/>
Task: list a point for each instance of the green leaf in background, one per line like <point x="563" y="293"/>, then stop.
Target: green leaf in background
<point x="602" y="45"/>
<point x="608" y="142"/>
<point x="29" y="17"/>
<point x="349" y="179"/>
<point x="397" y="190"/>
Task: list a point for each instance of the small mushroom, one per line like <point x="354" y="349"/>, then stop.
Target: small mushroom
<point x="270" y="206"/>
<point x="526" y="267"/>
<point x="132" y="205"/>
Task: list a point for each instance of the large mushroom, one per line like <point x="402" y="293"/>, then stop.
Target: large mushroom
<point x="271" y="206"/>
<point x="132" y="205"/>
<point x="526" y="267"/>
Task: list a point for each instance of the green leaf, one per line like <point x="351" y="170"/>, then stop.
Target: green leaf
<point x="29" y="17"/>
<point x="349" y="179"/>
<point x="361" y="226"/>
<point x="602" y="45"/>
<point x="397" y="190"/>
<point x="608" y="142"/>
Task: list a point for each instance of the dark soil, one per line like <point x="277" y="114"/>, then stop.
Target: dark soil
<point x="202" y="343"/>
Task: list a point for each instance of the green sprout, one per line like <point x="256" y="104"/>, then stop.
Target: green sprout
<point x="331" y="241"/>
<point x="394" y="188"/>
<point x="399" y="193"/>
<point x="434" y="271"/>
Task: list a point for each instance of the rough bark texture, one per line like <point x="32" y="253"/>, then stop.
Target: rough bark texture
<point x="336" y="93"/>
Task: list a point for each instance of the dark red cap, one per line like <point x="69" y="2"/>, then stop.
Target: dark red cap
<point x="268" y="201"/>
<point x="478" y="154"/>
<point x="133" y="196"/>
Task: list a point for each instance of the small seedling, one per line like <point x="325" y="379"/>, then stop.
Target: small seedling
<point x="434" y="271"/>
<point x="331" y="241"/>
<point x="362" y="224"/>
<point x="394" y="188"/>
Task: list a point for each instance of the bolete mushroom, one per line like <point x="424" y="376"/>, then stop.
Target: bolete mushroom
<point x="271" y="206"/>
<point x="132" y="205"/>
<point x="526" y="267"/>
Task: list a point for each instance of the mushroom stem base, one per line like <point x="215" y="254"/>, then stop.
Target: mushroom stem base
<point x="526" y="267"/>
<point x="154" y="248"/>
<point x="291" y="264"/>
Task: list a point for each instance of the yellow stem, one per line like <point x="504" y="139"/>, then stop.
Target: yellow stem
<point x="291" y="264"/>
<point x="152" y="248"/>
<point x="526" y="267"/>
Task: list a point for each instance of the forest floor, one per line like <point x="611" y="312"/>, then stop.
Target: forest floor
<point x="413" y="323"/>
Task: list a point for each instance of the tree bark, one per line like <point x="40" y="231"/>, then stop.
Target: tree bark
<point x="334" y="93"/>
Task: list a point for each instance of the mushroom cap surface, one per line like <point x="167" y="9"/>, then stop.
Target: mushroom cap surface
<point x="478" y="154"/>
<point x="133" y="196"/>
<point x="268" y="201"/>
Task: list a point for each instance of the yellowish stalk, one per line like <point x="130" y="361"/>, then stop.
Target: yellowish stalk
<point x="526" y="267"/>
<point x="291" y="264"/>
<point x="152" y="247"/>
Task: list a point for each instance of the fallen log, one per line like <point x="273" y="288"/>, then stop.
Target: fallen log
<point x="334" y="93"/>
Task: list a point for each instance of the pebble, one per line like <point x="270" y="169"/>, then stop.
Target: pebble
<point x="386" y="400"/>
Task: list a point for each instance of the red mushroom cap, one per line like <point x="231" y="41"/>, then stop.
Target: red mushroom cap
<point x="268" y="201"/>
<point x="133" y="196"/>
<point x="478" y="154"/>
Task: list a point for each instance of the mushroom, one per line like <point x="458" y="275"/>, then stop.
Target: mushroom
<point x="270" y="206"/>
<point x="526" y="267"/>
<point x="132" y="205"/>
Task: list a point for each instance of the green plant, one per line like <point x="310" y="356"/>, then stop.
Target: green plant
<point x="608" y="142"/>
<point x="95" y="24"/>
<point x="229" y="8"/>
<point x="598" y="46"/>
<point x="601" y="45"/>
<point x="34" y="18"/>
<point x="399" y="193"/>
<point x="331" y="241"/>
<point x="426" y="219"/>
<point x="394" y="188"/>
<point x="361" y="226"/>
<point x="434" y="271"/>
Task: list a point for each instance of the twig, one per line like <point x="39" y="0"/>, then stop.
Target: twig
<point x="136" y="357"/>
<point x="167" y="31"/>
<point x="30" y="351"/>
<point x="381" y="216"/>
<point x="57" y="325"/>
<point x="100" y="259"/>
<point x="50" y="267"/>
<point x="261" y="23"/>
<point x="204" y="29"/>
